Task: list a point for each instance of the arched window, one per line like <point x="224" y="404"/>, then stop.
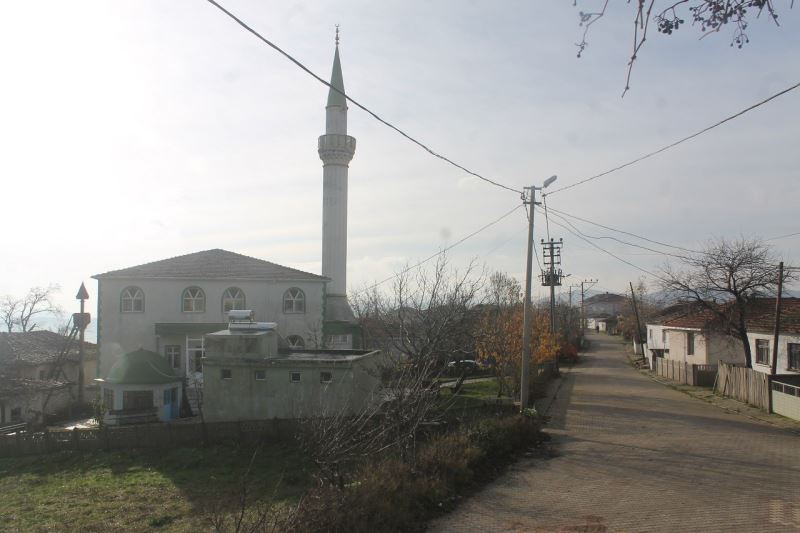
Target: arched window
<point x="295" y="341"/>
<point x="294" y="301"/>
<point x="232" y="298"/>
<point x="132" y="300"/>
<point x="194" y="300"/>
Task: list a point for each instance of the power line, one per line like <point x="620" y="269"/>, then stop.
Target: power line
<point x="676" y="143"/>
<point x="607" y="252"/>
<point x="623" y="231"/>
<point x="784" y="236"/>
<point x="437" y="254"/>
<point x="659" y="252"/>
<point x="355" y="103"/>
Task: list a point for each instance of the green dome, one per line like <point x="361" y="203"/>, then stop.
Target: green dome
<point x="141" y="367"/>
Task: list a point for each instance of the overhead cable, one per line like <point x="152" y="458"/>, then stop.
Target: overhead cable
<point x="676" y="143"/>
<point x="357" y="104"/>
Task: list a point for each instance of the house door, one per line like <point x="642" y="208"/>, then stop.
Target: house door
<point x="195" y="350"/>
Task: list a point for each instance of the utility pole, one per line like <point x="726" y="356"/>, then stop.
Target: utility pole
<point x="638" y="324"/>
<point x="774" y="365"/>
<point x="528" y="199"/>
<point x="585" y="282"/>
<point x="551" y="250"/>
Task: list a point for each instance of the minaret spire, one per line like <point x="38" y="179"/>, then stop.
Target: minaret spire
<point x="336" y="149"/>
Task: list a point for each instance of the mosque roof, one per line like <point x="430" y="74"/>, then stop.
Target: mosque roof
<point x="212" y="264"/>
<point x="141" y="367"/>
<point x="337" y="98"/>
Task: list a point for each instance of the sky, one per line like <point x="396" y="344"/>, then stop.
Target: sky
<point x="132" y="131"/>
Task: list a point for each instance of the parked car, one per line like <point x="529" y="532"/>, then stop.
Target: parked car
<point x="466" y="366"/>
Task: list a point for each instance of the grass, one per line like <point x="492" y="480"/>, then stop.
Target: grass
<point x="140" y="491"/>
<point x="474" y="394"/>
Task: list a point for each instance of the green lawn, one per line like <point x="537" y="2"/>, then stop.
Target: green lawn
<point x="131" y="490"/>
<point x="473" y="394"/>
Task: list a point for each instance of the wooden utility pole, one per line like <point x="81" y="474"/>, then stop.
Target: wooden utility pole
<point x="638" y="324"/>
<point x="774" y="364"/>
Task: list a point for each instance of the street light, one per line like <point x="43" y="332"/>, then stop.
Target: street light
<point x="526" y="306"/>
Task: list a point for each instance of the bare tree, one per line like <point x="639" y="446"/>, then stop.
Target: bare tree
<point x="710" y="16"/>
<point x="725" y="279"/>
<point x="427" y="314"/>
<point x="22" y="312"/>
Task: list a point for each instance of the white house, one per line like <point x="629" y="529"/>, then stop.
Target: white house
<point x="761" y="334"/>
<point x="695" y="339"/>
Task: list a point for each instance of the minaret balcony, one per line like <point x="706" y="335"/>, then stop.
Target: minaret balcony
<point x="334" y="147"/>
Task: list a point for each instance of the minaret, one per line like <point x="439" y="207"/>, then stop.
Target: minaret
<point x="336" y="149"/>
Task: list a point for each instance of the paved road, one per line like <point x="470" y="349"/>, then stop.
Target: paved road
<point x="634" y="455"/>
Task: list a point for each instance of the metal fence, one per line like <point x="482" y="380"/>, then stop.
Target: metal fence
<point x="686" y="373"/>
<point x="786" y="399"/>
<point x="744" y="384"/>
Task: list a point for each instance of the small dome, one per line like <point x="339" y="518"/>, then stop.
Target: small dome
<point x="141" y="367"/>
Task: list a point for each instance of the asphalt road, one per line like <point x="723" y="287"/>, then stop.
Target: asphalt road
<point x="634" y="455"/>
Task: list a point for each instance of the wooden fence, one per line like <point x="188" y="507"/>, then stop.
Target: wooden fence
<point x="743" y="384"/>
<point x="686" y="373"/>
<point x="153" y="436"/>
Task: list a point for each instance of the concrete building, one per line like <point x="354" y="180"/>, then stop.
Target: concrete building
<point x="247" y="376"/>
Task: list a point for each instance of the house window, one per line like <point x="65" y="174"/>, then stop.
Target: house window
<point x="194" y="300"/>
<point x="762" y="351"/>
<point x="135" y="400"/>
<point x="16" y="414"/>
<point x="325" y="377"/>
<point x="295" y="341"/>
<point x="108" y="399"/>
<point x="793" y="351"/>
<point x="42" y="374"/>
<point x="132" y="300"/>
<point x="173" y="354"/>
<point x="233" y="298"/>
<point x="226" y="373"/>
<point x="294" y="377"/>
<point x="294" y="301"/>
<point x="690" y="343"/>
<point x="260" y="375"/>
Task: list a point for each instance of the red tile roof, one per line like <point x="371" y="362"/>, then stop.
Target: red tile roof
<point x="763" y="319"/>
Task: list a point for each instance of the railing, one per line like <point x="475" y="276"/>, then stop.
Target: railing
<point x="785" y="388"/>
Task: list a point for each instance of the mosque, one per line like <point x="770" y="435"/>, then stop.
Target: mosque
<point x="168" y="306"/>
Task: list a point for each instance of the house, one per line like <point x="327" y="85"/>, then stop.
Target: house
<point x="140" y="387"/>
<point x="248" y="376"/>
<point x="39" y="375"/>
<point x="168" y="306"/>
<point x="657" y="338"/>
<point x="699" y="338"/>
<point x="761" y="334"/>
<point x="607" y="325"/>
